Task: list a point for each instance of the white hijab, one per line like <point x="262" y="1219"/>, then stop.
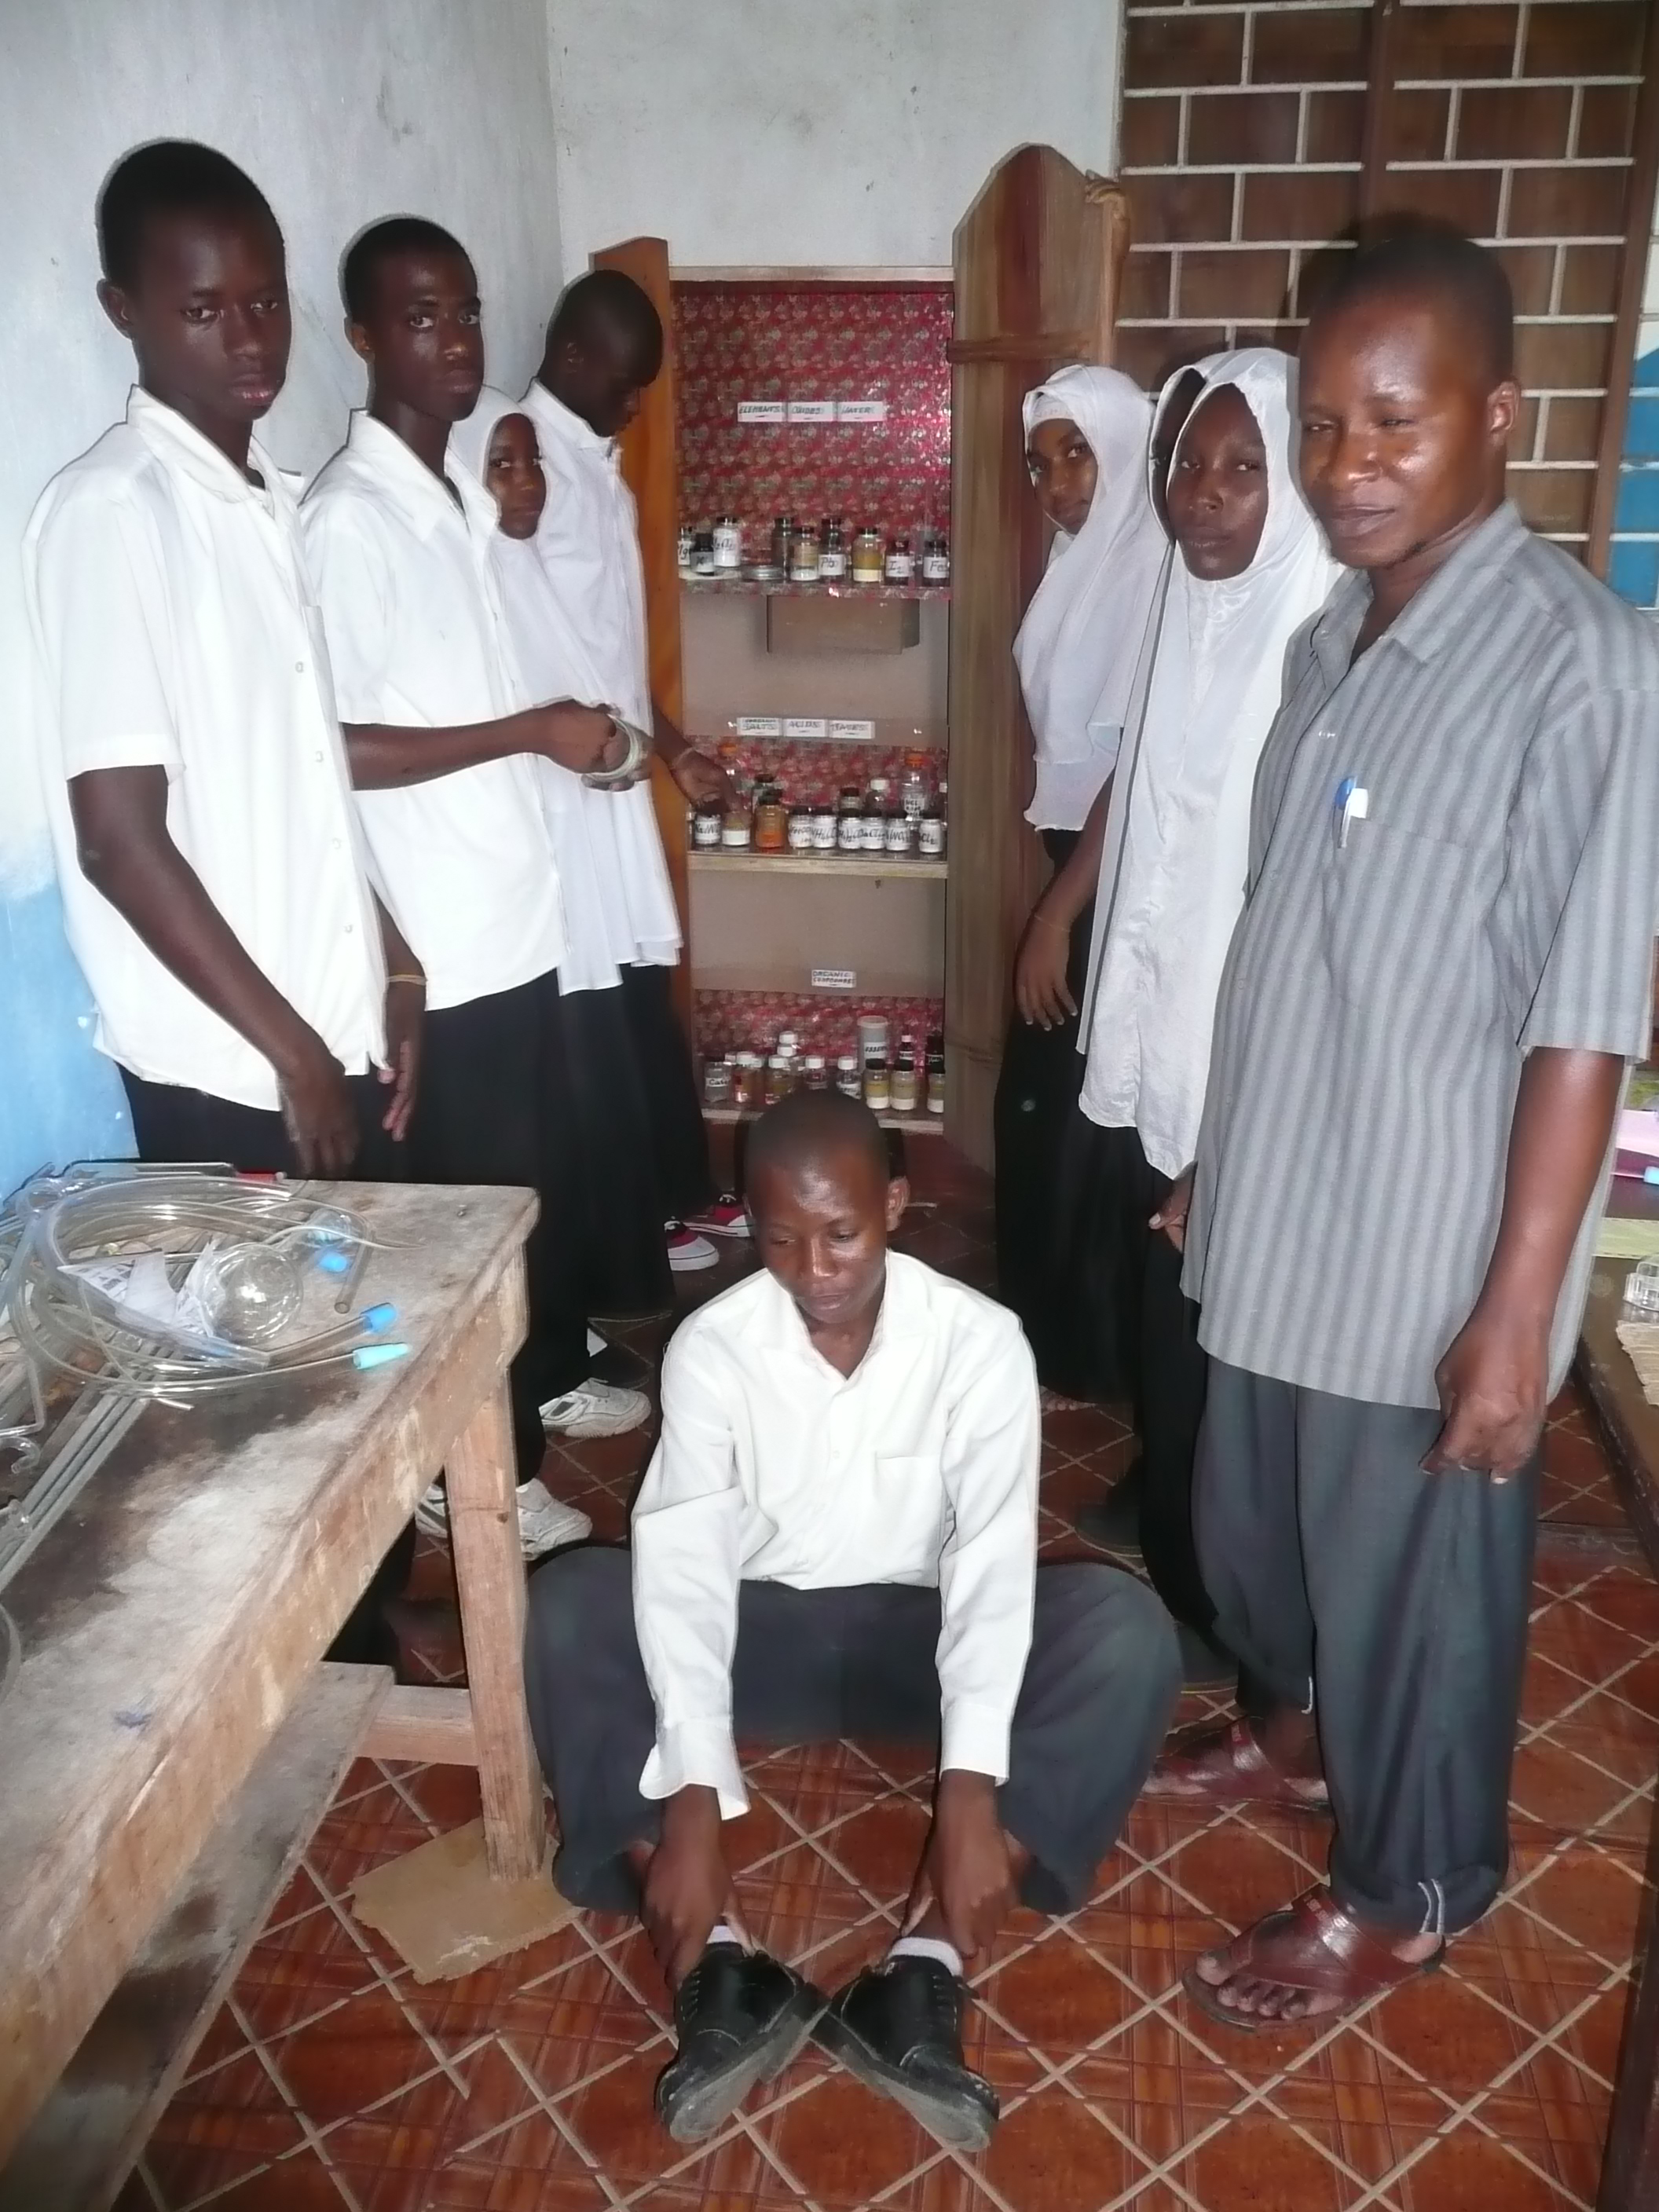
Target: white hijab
<point x="1077" y="647"/>
<point x="585" y="826"/>
<point x="1215" y="660"/>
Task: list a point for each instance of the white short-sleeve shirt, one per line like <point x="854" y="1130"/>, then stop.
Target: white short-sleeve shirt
<point x="418" y="638"/>
<point x="172" y="626"/>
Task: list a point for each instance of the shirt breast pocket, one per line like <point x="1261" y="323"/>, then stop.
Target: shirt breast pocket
<point x="909" y="1502"/>
<point x="1404" y="913"/>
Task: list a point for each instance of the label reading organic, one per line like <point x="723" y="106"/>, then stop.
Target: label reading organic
<point x="758" y="726"/>
<point x="812" y="411"/>
<point x="762" y="410"/>
<point x="860" y="411"/>
<point x="852" y="734"/>
<point x="834" y="979"/>
<point x="806" y="726"/>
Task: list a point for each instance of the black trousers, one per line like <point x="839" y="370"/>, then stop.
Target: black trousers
<point x="1157" y="1349"/>
<point x="679" y="1140"/>
<point x="495" y="1106"/>
<point x="171" y="1124"/>
<point x="625" y="1261"/>
<point x="1395" y="1604"/>
<point x="812" y="1666"/>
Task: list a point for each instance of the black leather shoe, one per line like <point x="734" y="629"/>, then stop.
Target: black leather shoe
<point x="739" y="2017"/>
<point x="898" y="2026"/>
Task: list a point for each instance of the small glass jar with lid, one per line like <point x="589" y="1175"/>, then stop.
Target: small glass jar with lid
<point x="899" y="566"/>
<point x="849" y="825"/>
<point x="846" y="1075"/>
<point x="878" y="1089"/>
<point x="930" y="830"/>
<point x="898" y="833"/>
<point x="867" y="551"/>
<point x="703" y="554"/>
<point x="936" y="1081"/>
<point x="779" y="1078"/>
<point x="745" y="1081"/>
<point x="771" y="820"/>
<point x="872" y="824"/>
<point x="728" y="544"/>
<point x="799" y="837"/>
<point x="814" y="1073"/>
<point x="804" y="554"/>
<point x="935" y="558"/>
<point x="717" y="1083"/>
<point x="737" y="833"/>
<point x="832" y="550"/>
<point x="688" y="546"/>
<point x="823" y="827"/>
<point x="914" y="790"/>
<point x="783" y="529"/>
<point x="903" y="1086"/>
<point x="706" y="826"/>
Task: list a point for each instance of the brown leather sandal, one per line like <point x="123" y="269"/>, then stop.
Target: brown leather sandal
<point x="1221" y="1763"/>
<point x="1313" y="1946"/>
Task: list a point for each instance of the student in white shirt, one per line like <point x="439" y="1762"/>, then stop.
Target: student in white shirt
<point x="1252" y="569"/>
<point x="837" y="1536"/>
<point x="1077" y="650"/>
<point x="196" y="785"/>
<point x="604" y="346"/>
<point x="629" y="1270"/>
<point x="440" y="740"/>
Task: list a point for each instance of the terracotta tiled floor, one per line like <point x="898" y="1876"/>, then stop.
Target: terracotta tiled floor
<point x="329" y="2080"/>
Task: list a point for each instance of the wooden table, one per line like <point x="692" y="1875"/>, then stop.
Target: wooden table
<point x="1629" y="2173"/>
<point x="171" y="1740"/>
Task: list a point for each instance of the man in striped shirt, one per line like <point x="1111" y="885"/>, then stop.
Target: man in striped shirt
<point x="1440" y="974"/>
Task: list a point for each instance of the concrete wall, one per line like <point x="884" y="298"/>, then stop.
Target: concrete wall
<point x="342" y="112"/>
<point x="828" y="132"/>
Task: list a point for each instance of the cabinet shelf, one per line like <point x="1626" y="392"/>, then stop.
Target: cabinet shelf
<point x="755" y="587"/>
<point x="854" y="865"/>
<point x="921" y="1123"/>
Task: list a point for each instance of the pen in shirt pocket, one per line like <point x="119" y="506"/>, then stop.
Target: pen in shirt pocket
<point x="1352" y="804"/>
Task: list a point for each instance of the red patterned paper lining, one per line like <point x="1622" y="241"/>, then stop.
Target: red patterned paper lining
<point x="749" y="1021"/>
<point x="758" y="341"/>
<point x="807" y="772"/>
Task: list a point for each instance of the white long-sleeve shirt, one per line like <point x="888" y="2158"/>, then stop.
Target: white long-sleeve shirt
<point x="920" y="1466"/>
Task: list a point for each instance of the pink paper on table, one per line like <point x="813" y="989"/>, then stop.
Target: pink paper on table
<point x="1638" y="1132"/>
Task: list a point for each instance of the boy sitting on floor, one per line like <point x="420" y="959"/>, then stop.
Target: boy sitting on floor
<point x="837" y="1536"/>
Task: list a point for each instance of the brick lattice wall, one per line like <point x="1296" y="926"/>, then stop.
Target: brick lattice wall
<point x="1242" y="129"/>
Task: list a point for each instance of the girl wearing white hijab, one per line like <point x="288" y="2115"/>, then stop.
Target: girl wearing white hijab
<point x="1086" y="431"/>
<point x="1252" y="570"/>
<point x="627" y="1270"/>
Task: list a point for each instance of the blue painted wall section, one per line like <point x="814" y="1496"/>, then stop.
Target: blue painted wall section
<point x="60" y="1099"/>
<point x="1633" y="562"/>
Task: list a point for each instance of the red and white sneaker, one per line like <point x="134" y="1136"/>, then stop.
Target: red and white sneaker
<point x="688" y="1253"/>
<point x="724" y="1218"/>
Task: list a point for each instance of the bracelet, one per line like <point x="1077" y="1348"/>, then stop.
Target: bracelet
<point x="639" y="750"/>
<point x="419" y="982"/>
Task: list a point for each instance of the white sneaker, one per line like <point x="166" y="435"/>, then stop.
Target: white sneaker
<point x="596" y="1409"/>
<point x="543" y="1523"/>
<point x="688" y="1253"/>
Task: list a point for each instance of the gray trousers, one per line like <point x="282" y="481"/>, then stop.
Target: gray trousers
<point x="812" y="1666"/>
<point x="1395" y="1604"/>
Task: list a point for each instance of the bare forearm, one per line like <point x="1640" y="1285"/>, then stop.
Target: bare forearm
<point x="1073" y="883"/>
<point x="1563" y="1118"/>
<point x="386" y="755"/>
<point x="668" y="738"/>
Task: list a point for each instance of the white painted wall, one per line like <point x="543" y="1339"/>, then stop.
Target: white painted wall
<point x="342" y="110"/>
<point x="824" y="132"/>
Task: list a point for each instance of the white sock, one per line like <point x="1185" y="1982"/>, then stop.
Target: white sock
<point x="928" y="1947"/>
<point x="722" y="1932"/>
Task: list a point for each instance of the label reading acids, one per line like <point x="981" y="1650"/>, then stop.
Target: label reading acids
<point x="806" y="726"/>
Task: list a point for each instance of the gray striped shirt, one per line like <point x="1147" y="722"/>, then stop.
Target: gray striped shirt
<point x="1496" y="892"/>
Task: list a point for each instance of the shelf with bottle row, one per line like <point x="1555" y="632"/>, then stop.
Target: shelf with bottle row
<point x="782" y="587"/>
<point x="910" y="866"/>
<point x="919" y="1123"/>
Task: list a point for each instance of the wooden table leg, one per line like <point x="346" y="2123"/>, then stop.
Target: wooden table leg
<point x="483" y="1534"/>
<point x="1630" y="2173"/>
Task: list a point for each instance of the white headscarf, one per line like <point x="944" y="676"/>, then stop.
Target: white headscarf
<point x="1211" y="680"/>
<point x="1076" y="648"/>
<point x="551" y="665"/>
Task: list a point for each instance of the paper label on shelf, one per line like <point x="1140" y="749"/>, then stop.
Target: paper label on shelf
<point x="812" y="411"/>
<point x="761" y="411"/>
<point x="806" y="726"/>
<point x="852" y="732"/>
<point x="758" y="726"/>
<point x="834" y="979"/>
<point x="860" y="411"/>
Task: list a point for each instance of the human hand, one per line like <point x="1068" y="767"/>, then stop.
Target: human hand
<point x="1040" y="986"/>
<point x="581" y="739"/>
<point x="967" y="1863"/>
<point x="687" y="1885"/>
<point x="405" y="1022"/>
<point x="317" y="1105"/>
<point x="1172" y="1216"/>
<point x="1494" y="1387"/>
<point x="700" y="778"/>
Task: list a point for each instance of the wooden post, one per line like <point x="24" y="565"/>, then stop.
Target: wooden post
<point x="483" y="1534"/>
<point x="1037" y="262"/>
<point x="650" y="467"/>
